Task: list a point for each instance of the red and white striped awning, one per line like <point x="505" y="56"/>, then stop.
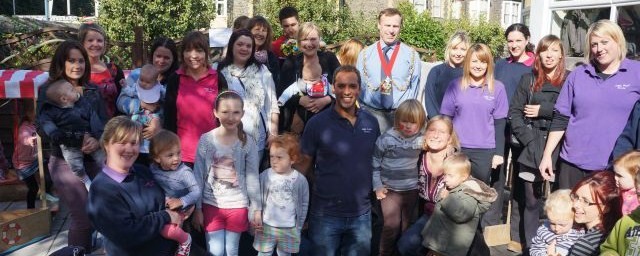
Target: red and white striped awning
<point x="21" y="83"/>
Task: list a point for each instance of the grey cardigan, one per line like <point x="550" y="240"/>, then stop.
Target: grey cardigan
<point x="301" y="198"/>
<point x="245" y="158"/>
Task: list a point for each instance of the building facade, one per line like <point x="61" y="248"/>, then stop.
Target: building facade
<point x="570" y="20"/>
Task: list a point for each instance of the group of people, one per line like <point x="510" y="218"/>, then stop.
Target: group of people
<point x="352" y="154"/>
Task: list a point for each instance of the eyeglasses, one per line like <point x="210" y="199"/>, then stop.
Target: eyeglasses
<point x="583" y="201"/>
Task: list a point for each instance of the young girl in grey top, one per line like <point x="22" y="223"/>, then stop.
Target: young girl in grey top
<point x="177" y="181"/>
<point x="395" y="171"/>
<point x="285" y="200"/>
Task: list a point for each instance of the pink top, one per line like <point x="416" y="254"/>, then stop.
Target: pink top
<point x="528" y="62"/>
<point x="25" y="150"/>
<point x="629" y="201"/>
<point x="108" y="89"/>
<point x="194" y="105"/>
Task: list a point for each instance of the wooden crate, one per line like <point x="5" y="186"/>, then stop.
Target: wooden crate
<point x="23" y="227"/>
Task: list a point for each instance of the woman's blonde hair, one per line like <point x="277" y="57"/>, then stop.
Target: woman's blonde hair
<point x="557" y="204"/>
<point x="607" y="28"/>
<point x="483" y="52"/>
<point x="457" y="38"/>
<point x="453" y="137"/>
<point x="349" y="51"/>
<point x="410" y="111"/>
<point x="457" y="162"/>
<point x="119" y="129"/>
<point x="630" y="162"/>
<point x="307" y="28"/>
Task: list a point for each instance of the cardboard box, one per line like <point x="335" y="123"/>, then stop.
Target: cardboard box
<point x="23" y="227"/>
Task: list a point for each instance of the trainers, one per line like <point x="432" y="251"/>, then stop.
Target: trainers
<point x="51" y="198"/>
<point x="184" y="248"/>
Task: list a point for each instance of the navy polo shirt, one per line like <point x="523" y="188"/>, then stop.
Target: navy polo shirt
<point x="342" y="156"/>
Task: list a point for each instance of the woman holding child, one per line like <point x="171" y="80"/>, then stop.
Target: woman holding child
<point x="71" y="63"/>
<point x="125" y="204"/>
<point x="164" y="60"/>
<point x="299" y="69"/>
<point x="440" y="141"/>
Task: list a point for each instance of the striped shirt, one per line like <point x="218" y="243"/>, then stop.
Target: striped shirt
<point x="589" y="244"/>
<point x="544" y="236"/>
<point x="395" y="161"/>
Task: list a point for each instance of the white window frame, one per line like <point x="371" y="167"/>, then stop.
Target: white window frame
<point x="456" y="9"/>
<point x="475" y="10"/>
<point x="221" y="7"/>
<point x="437" y="10"/>
<point x="508" y="16"/>
<point x="420" y="5"/>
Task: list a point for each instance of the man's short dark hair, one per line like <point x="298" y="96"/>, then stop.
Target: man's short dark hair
<point x="347" y="69"/>
<point x="390" y="12"/>
<point x="288" y="12"/>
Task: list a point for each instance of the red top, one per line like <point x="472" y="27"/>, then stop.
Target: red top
<point x="275" y="46"/>
<point x="194" y="105"/>
<point x="108" y="90"/>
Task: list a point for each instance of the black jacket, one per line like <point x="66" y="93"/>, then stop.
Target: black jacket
<point x="630" y="137"/>
<point x="532" y="132"/>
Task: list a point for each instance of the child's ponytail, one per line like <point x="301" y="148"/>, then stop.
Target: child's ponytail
<point x="241" y="134"/>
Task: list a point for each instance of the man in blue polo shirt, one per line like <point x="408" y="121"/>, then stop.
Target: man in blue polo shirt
<point x="338" y="142"/>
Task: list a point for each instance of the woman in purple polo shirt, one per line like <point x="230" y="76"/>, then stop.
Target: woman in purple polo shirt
<point x="478" y="105"/>
<point x="593" y="107"/>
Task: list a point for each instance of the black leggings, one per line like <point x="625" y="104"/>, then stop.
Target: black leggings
<point x="32" y="192"/>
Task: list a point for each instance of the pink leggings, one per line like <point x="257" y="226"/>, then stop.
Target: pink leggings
<point x="174" y="232"/>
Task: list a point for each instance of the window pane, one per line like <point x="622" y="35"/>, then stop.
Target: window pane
<point x="572" y="26"/>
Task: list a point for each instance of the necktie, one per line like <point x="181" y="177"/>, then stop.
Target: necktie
<point x="386" y="100"/>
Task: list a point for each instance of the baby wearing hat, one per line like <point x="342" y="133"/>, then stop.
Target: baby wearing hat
<point x="150" y="93"/>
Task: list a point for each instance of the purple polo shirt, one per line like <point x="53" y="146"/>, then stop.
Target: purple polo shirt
<point x="598" y="111"/>
<point x="473" y="111"/>
<point x="113" y="174"/>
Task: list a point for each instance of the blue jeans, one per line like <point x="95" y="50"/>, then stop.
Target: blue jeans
<point x="223" y="242"/>
<point x="340" y="236"/>
<point x="410" y="243"/>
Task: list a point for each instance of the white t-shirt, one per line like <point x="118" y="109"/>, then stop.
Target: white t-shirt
<point x="280" y="209"/>
<point x="223" y="178"/>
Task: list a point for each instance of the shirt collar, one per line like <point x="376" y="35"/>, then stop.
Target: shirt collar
<point x="113" y="174"/>
<point x="383" y="44"/>
<point x="181" y="71"/>
<point x="336" y="115"/>
<point x="624" y="64"/>
<point x="529" y="62"/>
